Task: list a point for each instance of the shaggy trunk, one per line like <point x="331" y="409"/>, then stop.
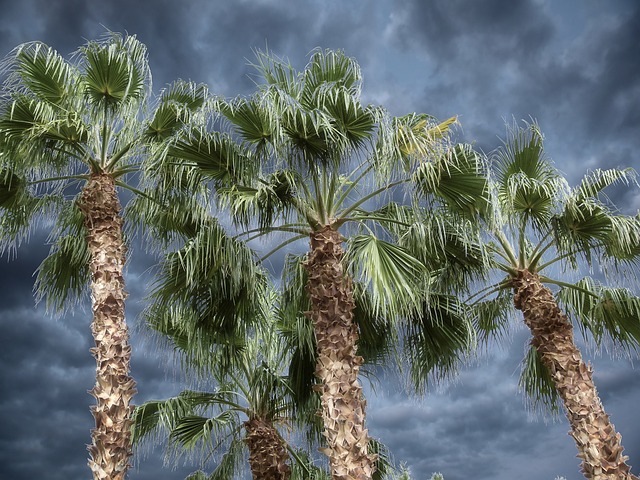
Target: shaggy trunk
<point x="111" y="439"/>
<point x="599" y="445"/>
<point x="343" y="405"/>
<point x="268" y="454"/>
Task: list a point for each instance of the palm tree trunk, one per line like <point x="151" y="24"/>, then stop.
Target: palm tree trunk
<point x="111" y="439"/>
<point x="343" y="405"/>
<point x="268" y="454"/>
<point x="599" y="445"/>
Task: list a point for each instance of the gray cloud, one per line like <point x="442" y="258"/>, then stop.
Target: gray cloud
<point x="574" y="69"/>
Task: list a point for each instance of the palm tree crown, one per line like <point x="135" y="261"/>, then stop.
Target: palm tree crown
<point x="304" y="157"/>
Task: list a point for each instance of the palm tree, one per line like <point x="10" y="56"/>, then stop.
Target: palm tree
<point x="216" y="311"/>
<point x="534" y="221"/>
<point x="246" y="408"/>
<point x="304" y="157"/>
<point x="72" y="133"/>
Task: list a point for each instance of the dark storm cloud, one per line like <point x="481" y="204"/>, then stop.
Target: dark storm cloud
<point x="579" y="77"/>
<point x="485" y="61"/>
<point x="46" y="363"/>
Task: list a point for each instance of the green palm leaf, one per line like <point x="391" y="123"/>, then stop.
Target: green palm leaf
<point x="536" y="382"/>
<point x="437" y="339"/>
<point x="115" y="70"/>
<point x="606" y="313"/>
<point x="44" y="72"/>
<point x="394" y="277"/>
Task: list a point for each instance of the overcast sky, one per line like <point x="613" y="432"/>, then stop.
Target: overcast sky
<point x="572" y="65"/>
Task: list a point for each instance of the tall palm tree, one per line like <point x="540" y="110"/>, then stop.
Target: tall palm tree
<point x="216" y="311"/>
<point x="73" y="132"/>
<point x="533" y="221"/>
<point x="305" y="158"/>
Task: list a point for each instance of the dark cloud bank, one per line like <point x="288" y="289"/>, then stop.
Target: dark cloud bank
<point x="574" y="66"/>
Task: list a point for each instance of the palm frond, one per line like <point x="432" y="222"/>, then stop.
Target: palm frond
<point x="528" y="184"/>
<point x="177" y="105"/>
<point x="437" y="339"/>
<point x="116" y="70"/>
<point x="63" y="276"/>
<point x="215" y="155"/>
<point x="607" y="314"/>
<point x="43" y="71"/>
<point x="457" y="179"/>
<point x="330" y="67"/>
<point x="194" y="430"/>
<point x="595" y="182"/>
<point x="394" y="277"/>
<point x="273" y="198"/>
<point x="538" y="385"/>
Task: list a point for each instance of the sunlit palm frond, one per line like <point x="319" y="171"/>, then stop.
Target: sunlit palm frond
<point x="215" y="155"/>
<point x="419" y="136"/>
<point x="44" y="72"/>
<point x="116" y="70"/>
<point x="277" y="72"/>
<point x="394" y="277"/>
<point x="255" y="118"/>
<point x="595" y="182"/>
<point x="448" y="245"/>
<point x="355" y="122"/>
<point x="623" y="243"/>
<point x="274" y="197"/>
<point x="606" y="314"/>
<point x="176" y="107"/>
<point x="457" y="179"/>
<point x="330" y="67"/>
<point x="528" y="184"/>
<point x="195" y="431"/>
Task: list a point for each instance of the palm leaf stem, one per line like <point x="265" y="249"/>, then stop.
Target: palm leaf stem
<point x="522" y="244"/>
<point x="506" y="247"/>
<point x="511" y="270"/>
<point x="297" y="458"/>
<point x="353" y="184"/>
<point x="139" y="192"/>
<point x="55" y="179"/>
<point x="375" y="218"/>
<point x="94" y="166"/>
<point x="319" y="200"/>
<point x="538" y="251"/>
<point x="81" y="152"/>
<point x="264" y="231"/>
<point x="555" y="259"/>
<point x="572" y="286"/>
<point x="118" y="155"/>
<point x="229" y="403"/>
<point x="282" y="245"/>
<point x="105" y="134"/>
<point x="355" y="205"/>
<point x="485" y="292"/>
<point x="124" y="170"/>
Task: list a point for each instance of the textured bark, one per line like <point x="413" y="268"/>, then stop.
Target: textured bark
<point x="111" y="439"/>
<point x="599" y="445"/>
<point x="268" y="454"/>
<point x="343" y="405"/>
